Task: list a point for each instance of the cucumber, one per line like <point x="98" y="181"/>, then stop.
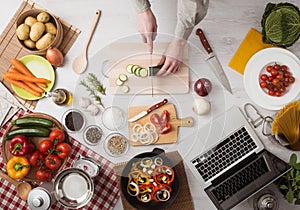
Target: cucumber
<point x="123" y="77"/>
<point x="143" y="72"/>
<point x="125" y="89"/>
<point x="119" y="82"/>
<point x="28" y="131"/>
<point x="32" y="121"/>
<point x="129" y="68"/>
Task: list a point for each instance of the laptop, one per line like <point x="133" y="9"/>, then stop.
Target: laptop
<point x="229" y="159"/>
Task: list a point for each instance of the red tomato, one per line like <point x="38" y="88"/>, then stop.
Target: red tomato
<point x="36" y="159"/>
<point x="46" y="146"/>
<point x="263" y="84"/>
<point x="164" y="117"/>
<point x="274" y="72"/>
<point x="52" y="162"/>
<point x="291" y="79"/>
<point x="57" y="136"/>
<point x="264" y="77"/>
<point x="276" y="66"/>
<point x="63" y="150"/>
<point x="269" y="68"/>
<point x="287" y="74"/>
<point x="271" y="93"/>
<point x="43" y="174"/>
<point x="284" y="68"/>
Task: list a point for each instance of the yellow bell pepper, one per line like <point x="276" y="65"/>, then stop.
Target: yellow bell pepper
<point x="18" y="167"/>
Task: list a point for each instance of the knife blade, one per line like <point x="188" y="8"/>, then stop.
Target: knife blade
<point x="145" y="112"/>
<point x="213" y="61"/>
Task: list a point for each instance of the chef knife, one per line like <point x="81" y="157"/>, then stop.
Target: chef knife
<point x="213" y="61"/>
<point x="145" y="112"/>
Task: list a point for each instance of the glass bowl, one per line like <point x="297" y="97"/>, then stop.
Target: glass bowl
<point x="92" y="134"/>
<point x="113" y="118"/>
<point x="116" y="144"/>
<point x="73" y="120"/>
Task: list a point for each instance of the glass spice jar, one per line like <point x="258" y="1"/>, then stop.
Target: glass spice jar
<point x="92" y="134"/>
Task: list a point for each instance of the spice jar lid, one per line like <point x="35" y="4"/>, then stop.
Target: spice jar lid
<point x="73" y="120"/>
<point x="116" y="144"/>
<point x="92" y="134"/>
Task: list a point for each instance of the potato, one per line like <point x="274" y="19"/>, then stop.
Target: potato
<point x="43" y="17"/>
<point x="23" y="31"/>
<point x="45" y="41"/>
<point x="29" y="43"/>
<point x="50" y="28"/>
<point x="37" y="31"/>
<point x="30" y="21"/>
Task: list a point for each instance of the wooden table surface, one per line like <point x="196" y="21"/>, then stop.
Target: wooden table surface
<point x="225" y="26"/>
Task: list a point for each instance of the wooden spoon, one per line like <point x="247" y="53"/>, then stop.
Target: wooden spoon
<point x="23" y="188"/>
<point x="80" y="62"/>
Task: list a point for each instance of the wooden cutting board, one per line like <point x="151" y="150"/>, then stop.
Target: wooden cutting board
<point x="167" y="138"/>
<point x="122" y="54"/>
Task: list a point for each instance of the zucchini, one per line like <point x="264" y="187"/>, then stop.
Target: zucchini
<point x="33" y="121"/>
<point x="143" y="72"/>
<point x="28" y="131"/>
<point x="134" y="68"/>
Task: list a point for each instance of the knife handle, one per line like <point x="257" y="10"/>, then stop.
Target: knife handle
<point x="155" y="106"/>
<point x="204" y="41"/>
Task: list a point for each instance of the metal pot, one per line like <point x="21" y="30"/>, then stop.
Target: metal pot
<point x="73" y="188"/>
<point x="152" y="204"/>
<point x="88" y="164"/>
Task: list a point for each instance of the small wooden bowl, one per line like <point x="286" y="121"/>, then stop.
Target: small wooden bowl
<point x="35" y="141"/>
<point x="58" y="37"/>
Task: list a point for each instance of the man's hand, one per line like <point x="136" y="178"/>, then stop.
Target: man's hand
<point x="172" y="58"/>
<point x="147" y="26"/>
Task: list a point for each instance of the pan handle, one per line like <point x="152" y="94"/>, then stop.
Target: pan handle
<point x="158" y="151"/>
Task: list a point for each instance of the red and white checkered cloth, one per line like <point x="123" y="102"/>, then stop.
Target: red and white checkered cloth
<point x="106" y="192"/>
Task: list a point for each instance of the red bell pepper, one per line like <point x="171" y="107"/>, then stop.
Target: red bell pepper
<point x="20" y="146"/>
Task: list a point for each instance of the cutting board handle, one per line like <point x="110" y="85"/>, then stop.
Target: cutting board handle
<point x="187" y="122"/>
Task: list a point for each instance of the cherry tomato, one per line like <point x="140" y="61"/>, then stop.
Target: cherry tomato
<point x="284" y="68"/>
<point x="287" y="74"/>
<point x="43" y="174"/>
<point x="274" y="72"/>
<point x="263" y="84"/>
<point x="271" y="92"/>
<point x="282" y="89"/>
<point x="275" y="82"/>
<point x="279" y="76"/>
<point x="46" y="146"/>
<point x="291" y="79"/>
<point x="36" y="159"/>
<point x="63" y="150"/>
<point x="57" y="136"/>
<point x="264" y="77"/>
<point x="52" y="162"/>
<point x="278" y="94"/>
<point x="276" y="66"/>
<point x="269" y="68"/>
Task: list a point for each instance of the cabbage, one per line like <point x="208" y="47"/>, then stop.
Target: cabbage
<point x="281" y="24"/>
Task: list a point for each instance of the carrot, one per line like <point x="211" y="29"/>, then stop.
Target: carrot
<point x="30" y="84"/>
<point x="21" y="85"/>
<point x="19" y="76"/>
<point x="24" y="70"/>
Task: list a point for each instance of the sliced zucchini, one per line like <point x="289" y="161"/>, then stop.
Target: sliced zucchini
<point x="119" y="82"/>
<point x="134" y="68"/>
<point x="125" y="89"/>
<point x="123" y="77"/>
<point x="137" y="71"/>
<point x="129" y="68"/>
<point x="143" y="72"/>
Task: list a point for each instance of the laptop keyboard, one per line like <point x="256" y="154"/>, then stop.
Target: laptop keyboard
<point x="224" y="154"/>
<point x="240" y="180"/>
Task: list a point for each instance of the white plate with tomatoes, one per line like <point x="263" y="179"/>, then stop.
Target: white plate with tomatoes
<point x="271" y="78"/>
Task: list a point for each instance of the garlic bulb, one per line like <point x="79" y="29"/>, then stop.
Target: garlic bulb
<point x="84" y="102"/>
<point x="93" y="109"/>
<point x="201" y="106"/>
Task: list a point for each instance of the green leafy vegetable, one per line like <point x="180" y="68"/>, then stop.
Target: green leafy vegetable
<point x="281" y="24"/>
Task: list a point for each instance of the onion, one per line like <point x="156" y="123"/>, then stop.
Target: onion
<point x="55" y="57"/>
<point x="202" y="87"/>
<point x="201" y="106"/>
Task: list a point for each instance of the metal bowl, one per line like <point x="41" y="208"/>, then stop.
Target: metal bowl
<point x="73" y="188"/>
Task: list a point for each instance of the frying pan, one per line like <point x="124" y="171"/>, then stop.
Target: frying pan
<point x="152" y="204"/>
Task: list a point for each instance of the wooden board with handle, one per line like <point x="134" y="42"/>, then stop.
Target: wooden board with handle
<point x="167" y="138"/>
<point x="123" y="54"/>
